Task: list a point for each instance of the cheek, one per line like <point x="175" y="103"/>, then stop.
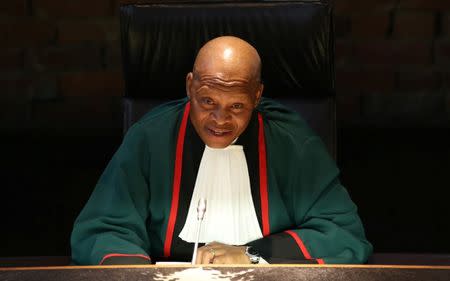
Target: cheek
<point x="197" y="112"/>
<point x="242" y="120"/>
<point x="199" y="116"/>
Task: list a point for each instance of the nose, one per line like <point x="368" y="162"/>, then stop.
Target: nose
<point x="221" y="115"/>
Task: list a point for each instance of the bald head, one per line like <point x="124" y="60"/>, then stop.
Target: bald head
<point x="224" y="88"/>
<point x="229" y="57"/>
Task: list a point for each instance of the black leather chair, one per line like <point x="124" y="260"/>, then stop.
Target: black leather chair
<point x="294" y="38"/>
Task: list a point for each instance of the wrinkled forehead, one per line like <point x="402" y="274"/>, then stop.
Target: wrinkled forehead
<point x="228" y="83"/>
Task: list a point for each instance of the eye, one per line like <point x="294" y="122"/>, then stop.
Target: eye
<point x="237" y="106"/>
<point x="207" y="101"/>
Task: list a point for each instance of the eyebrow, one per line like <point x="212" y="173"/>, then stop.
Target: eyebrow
<point x="215" y="82"/>
<point x="237" y="96"/>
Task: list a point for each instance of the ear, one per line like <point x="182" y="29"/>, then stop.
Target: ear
<point x="259" y="94"/>
<point x="189" y="78"/>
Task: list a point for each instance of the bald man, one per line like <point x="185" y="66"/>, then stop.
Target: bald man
<point x="272" y="190"/>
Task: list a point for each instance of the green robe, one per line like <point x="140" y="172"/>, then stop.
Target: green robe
<point x="133" y="215"/>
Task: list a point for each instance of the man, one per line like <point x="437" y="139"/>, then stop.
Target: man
<point x="271" y="188"/>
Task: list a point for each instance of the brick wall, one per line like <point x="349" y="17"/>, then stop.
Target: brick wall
<point x="393" y="62"/>
<point x="60" y="63"/>
<point x="60" y="72"/>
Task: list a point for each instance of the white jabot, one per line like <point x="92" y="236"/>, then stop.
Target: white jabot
<point x="230" y="217"/>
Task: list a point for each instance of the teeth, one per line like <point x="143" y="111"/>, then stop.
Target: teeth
<point x="219" y="133"/>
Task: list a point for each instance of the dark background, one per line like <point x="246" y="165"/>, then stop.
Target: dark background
<point x="60" y="118"/>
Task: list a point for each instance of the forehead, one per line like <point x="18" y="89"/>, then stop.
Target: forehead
<point x="233" y="95"/>
<point x="224" y="93"/>
<point x="219" y="82"/>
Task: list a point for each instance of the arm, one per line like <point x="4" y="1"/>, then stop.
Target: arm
<point x="111" y="228"/>
<point x="326" y="227"/>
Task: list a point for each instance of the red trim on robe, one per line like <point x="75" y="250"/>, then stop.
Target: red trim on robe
<point x="124" y="255"/>
<point x="263" y="178"/>
<point x="302" y="246"/>
<point x="176" y="182"/>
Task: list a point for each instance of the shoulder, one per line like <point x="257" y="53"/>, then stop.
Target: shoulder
<point x="160" y="119"/>
<point x="163" y="112"/>
<point x="283" y="123"/>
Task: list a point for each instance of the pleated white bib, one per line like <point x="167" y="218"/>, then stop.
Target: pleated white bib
<point x="224" y="182"/>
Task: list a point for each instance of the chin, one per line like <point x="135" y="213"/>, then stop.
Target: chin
<point x="216" y="144"/>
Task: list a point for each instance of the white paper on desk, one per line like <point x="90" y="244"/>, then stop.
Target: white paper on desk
<point x="204" y="274"/>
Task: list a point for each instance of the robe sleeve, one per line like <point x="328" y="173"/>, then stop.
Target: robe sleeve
<point x="111" y="228"/>
<point x="329" y="229"/>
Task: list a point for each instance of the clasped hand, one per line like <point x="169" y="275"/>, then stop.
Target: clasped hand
<point x="218" y="253"/>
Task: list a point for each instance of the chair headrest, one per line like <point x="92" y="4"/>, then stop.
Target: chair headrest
<point x="294" y="39"/>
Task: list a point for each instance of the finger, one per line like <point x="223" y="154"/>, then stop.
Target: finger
<point x="221" y="260"/>
<point x="201" y="252"/>
<point x="229" y="259"/>
<point x="218" y="251"/>
<point x="218" y="260"/>
<point x="205" y="255"/>
<point x="208" y="257"/>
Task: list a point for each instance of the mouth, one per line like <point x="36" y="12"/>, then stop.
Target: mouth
<point x="220" y="132"/>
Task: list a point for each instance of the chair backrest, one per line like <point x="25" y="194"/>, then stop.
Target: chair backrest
<point x="294" y="39"/>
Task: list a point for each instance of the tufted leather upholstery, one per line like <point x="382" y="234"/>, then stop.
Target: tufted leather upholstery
<point x="294" y="38"/>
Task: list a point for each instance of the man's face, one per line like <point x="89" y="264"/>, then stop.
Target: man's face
<point x="221" y="109"/>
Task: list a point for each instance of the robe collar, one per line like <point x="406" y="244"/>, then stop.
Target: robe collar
<point x="189" y="145"/>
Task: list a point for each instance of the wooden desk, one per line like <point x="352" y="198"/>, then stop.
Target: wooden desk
<point x="227" y="272"/>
